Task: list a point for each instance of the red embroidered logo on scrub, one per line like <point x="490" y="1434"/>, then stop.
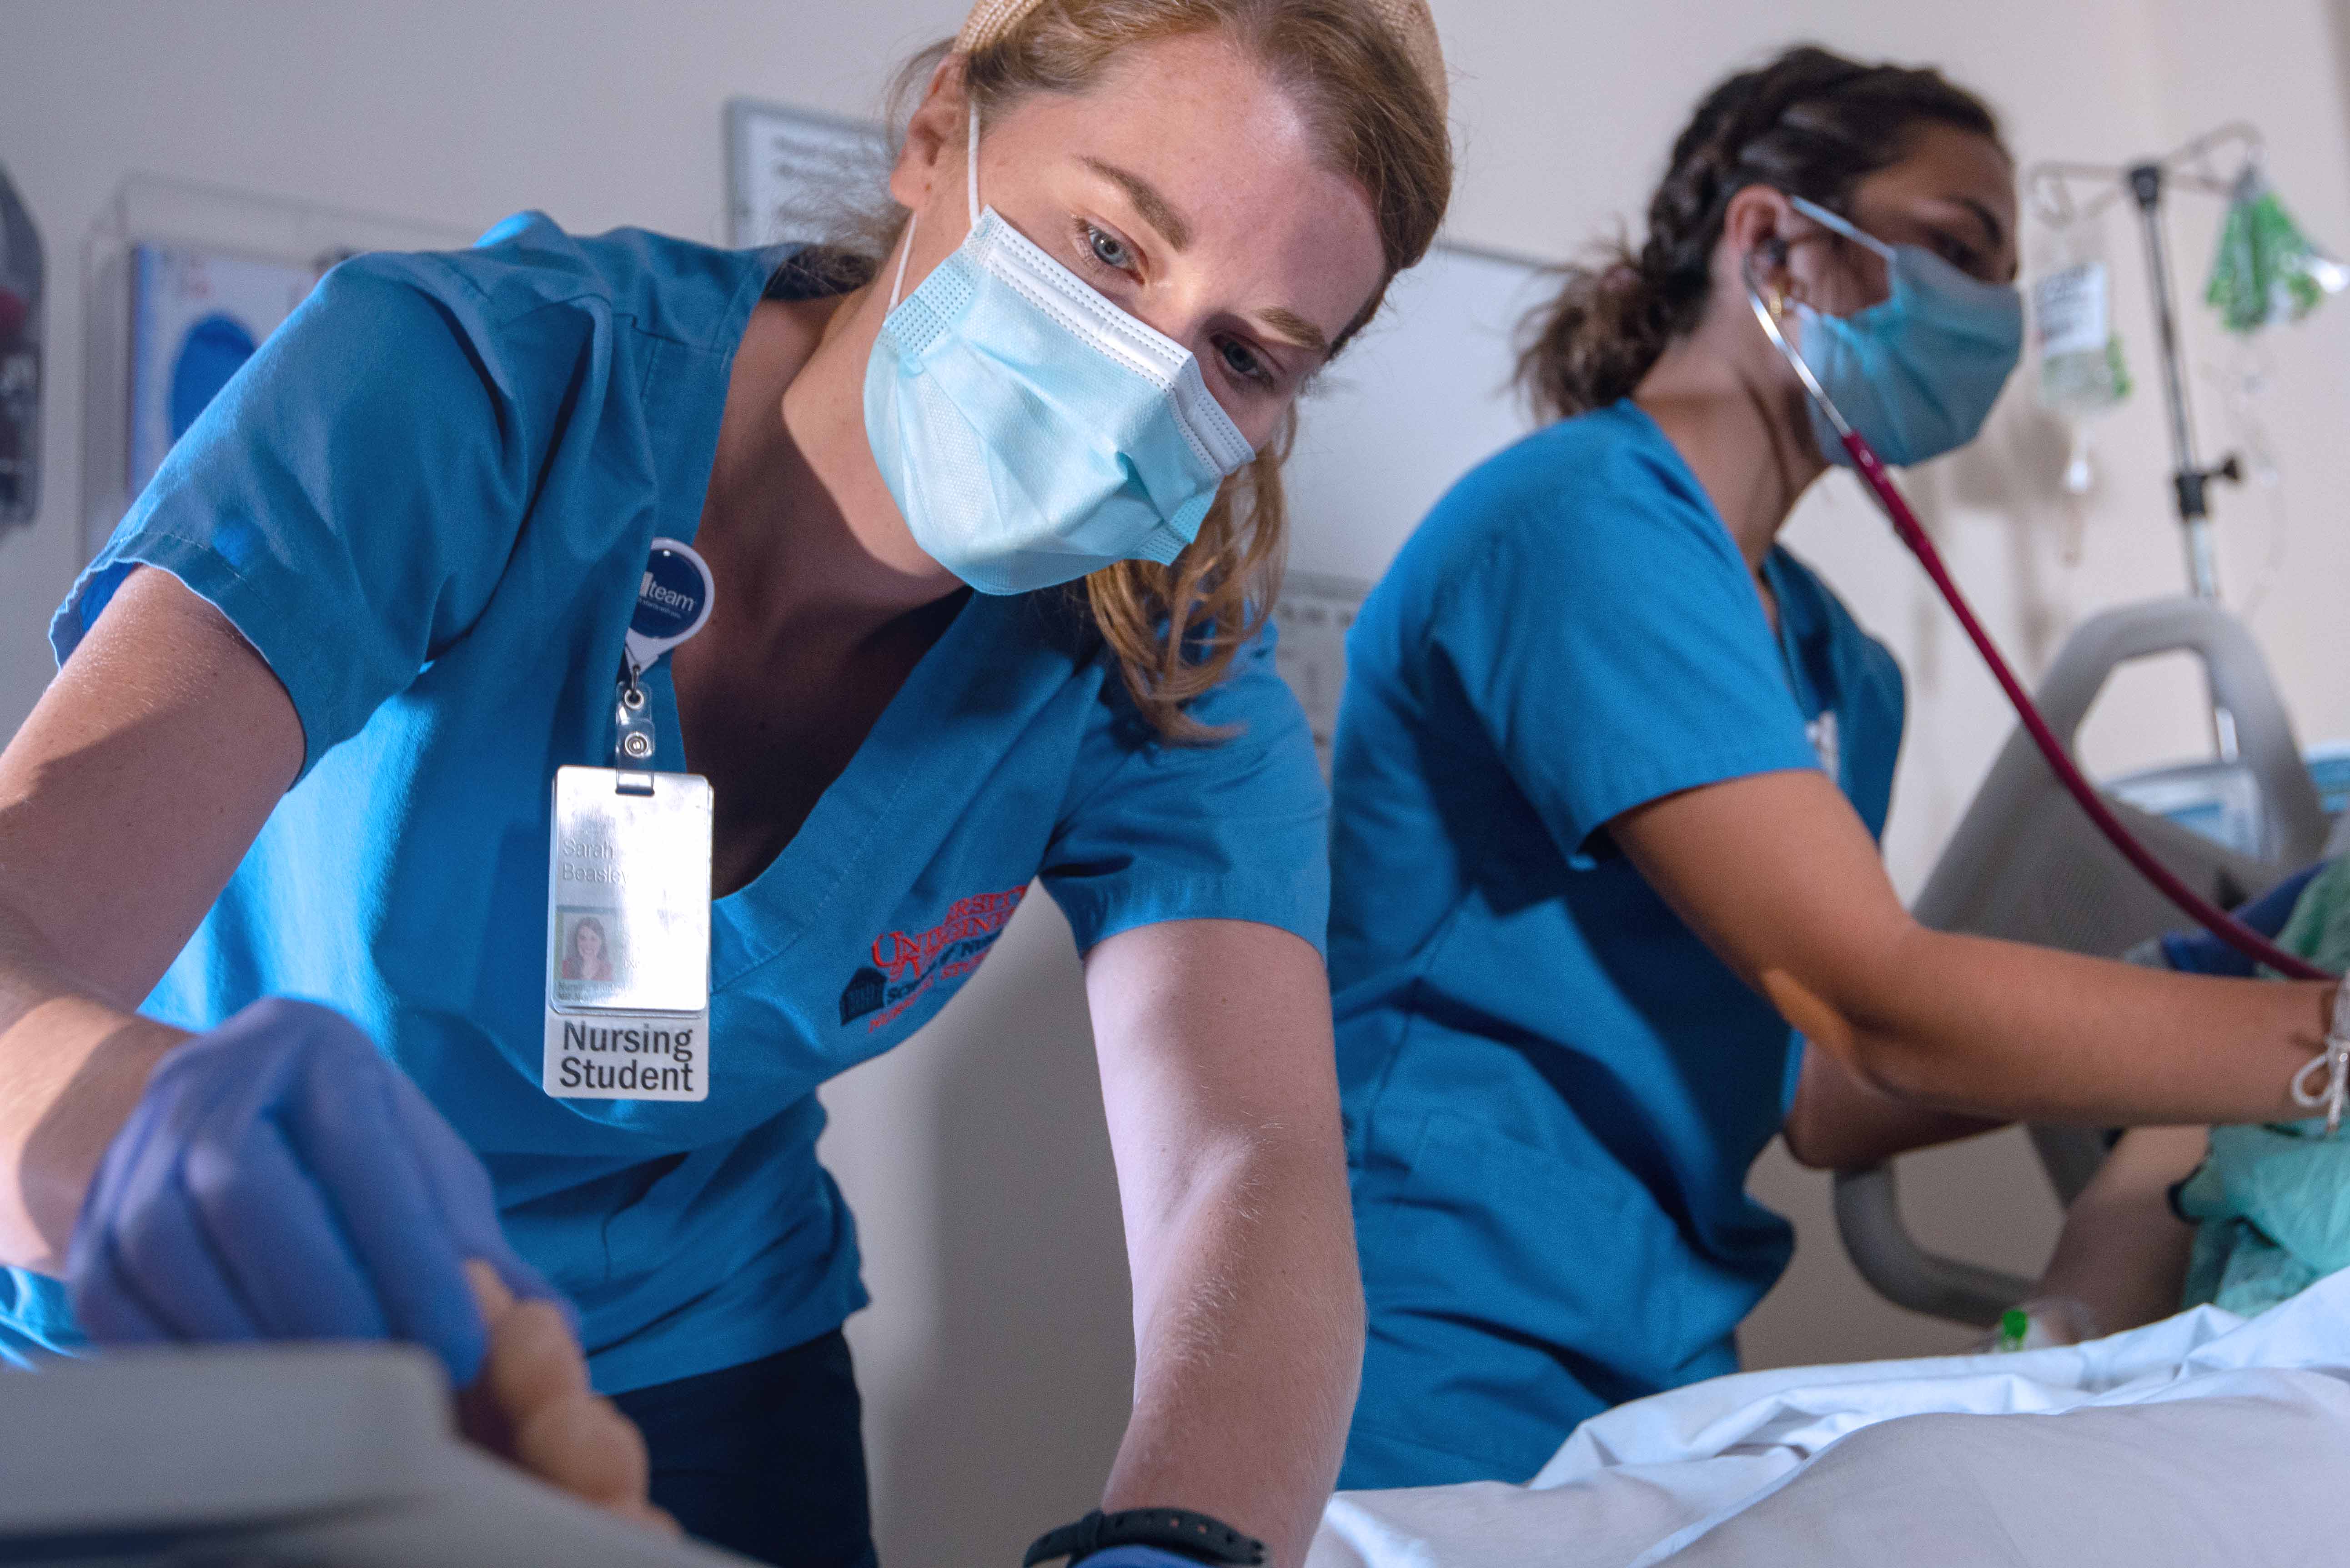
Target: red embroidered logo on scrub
<point x="908" y="964"/>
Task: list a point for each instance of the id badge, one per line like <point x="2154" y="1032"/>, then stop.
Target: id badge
<point x="627" y="936"/>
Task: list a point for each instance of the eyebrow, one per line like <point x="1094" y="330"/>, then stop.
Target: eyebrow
<point x="1146" y="200"/>
<point x="1284" y="323"/>
<point x="1989" y="219"/>
<point x="1295" y="329"/>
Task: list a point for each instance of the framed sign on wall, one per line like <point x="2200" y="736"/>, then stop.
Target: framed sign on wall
<point x="795" y="174"/>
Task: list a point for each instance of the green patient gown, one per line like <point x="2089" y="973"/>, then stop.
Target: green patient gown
<point x="2273" y="1202"/>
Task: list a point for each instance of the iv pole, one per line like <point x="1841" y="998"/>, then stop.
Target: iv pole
<point x="2190" y="165"/>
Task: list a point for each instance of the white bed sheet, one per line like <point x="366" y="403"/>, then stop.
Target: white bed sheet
<point x="2204" y="1438"/>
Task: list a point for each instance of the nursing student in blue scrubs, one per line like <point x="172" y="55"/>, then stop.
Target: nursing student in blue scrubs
<point x="990" y="517"/>
<point x="1610" y="769"/>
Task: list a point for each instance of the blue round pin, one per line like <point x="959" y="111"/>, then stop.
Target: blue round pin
<point x="673" y="600"/>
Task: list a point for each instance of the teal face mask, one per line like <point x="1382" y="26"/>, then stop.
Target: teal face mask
<point x="1917" y="373"/>
<point x="1030" y="430"/>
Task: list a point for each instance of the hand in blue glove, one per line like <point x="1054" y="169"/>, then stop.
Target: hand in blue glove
<point x="280" y="1179"/>
<point x="1136" y="1557"/>
<point x="2200" y="952"/>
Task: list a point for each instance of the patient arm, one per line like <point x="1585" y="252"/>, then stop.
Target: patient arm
<point x="2122" y="1252"/>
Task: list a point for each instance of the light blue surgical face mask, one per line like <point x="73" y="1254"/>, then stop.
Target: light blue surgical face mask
<point x="1030" y="430"/>
<point x="1917" y="373"/>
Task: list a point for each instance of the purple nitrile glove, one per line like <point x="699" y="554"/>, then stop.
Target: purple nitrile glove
<point x="281" y="1179"/>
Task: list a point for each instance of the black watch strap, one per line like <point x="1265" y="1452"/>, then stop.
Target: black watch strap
<point x="1195" y="1535"/>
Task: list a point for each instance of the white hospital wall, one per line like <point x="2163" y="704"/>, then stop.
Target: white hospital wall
<point x="995" y="1360"/>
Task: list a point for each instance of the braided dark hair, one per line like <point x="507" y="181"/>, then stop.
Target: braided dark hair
<point x="1811" y="123"/>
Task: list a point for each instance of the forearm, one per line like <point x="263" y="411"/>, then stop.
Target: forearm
<point x="1780" y="877"/>
<point x="1248" y="1343"/>
<point x="126" y="801"/>
<point x="71" y="1069"/>
<point x="2000" y="1029"/>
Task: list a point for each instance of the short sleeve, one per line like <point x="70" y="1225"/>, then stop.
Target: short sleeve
<point x="1611" y="642"/>
<point x="1235" y="829"/>
<point x="352" y="496"/>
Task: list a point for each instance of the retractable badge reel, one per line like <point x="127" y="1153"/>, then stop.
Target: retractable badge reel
<point x="628" y="893"/>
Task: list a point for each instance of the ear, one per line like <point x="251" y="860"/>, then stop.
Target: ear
<point x="934" y="138"/>
<point x="1756" y="224"/>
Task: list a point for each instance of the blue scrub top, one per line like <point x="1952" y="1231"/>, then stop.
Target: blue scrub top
<point x="427" y="502"/>
<point x="1553" y="1090"/>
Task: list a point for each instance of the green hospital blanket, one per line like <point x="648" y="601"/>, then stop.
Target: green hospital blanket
<point x="2271" y="1204"/>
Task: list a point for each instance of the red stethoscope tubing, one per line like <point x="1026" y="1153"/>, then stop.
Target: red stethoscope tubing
<point x="2218" y="921"/>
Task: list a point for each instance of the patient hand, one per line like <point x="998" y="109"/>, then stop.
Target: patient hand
<point x="2122" y="1252"/>
<point x="532" y="1407"/>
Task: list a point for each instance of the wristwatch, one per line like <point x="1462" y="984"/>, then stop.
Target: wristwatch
<point x="1195" y="1535"/>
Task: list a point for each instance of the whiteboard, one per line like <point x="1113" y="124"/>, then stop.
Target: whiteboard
<point x="792" y="173"/>
<point x="1423" y="396"/>
<point x="1414" y="404"/>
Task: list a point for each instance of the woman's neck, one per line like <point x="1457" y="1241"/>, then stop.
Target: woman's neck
<point x="797" y="507"/>
<point x="1724" y="401"/>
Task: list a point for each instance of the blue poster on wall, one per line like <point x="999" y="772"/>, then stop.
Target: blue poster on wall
<point x="197" y="316"/>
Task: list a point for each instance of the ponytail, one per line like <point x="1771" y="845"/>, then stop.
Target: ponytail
<point x="1811" y="123"/>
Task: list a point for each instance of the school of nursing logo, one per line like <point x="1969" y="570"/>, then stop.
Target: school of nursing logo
<point x="906" y="965"/>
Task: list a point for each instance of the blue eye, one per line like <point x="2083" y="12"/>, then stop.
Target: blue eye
<point x="1242" y="363"/>
<point x="1109" y="250"/>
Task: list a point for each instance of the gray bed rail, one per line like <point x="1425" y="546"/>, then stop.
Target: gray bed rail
<point x="2025" y="864"/>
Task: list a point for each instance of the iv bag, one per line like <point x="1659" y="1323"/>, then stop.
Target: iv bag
<point x="2081" y="367"/>
<point x="2082" y="371"/>
<point x="2267" y="272"/>
<point x="20" y="360"/>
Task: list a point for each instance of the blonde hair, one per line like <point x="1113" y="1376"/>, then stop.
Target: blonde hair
<point x="1174" y="630"/>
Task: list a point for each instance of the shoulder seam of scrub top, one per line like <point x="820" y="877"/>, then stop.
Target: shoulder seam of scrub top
<point x="1105" y="916"/>
<point x="1506" y="536"/>
<point x="634" y="322"/>
<point x="1686" y="491"/>
<point x="443" y="263"/>
<point x="1645" y="784"/>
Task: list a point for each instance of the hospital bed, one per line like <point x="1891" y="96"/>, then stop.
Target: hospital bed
<point x="325" y="1457"/>
<point x="2026" y="865"/>
<point x="2200" y="1441"/>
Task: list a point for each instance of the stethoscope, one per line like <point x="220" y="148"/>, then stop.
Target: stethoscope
<point x="1872" y="470"/>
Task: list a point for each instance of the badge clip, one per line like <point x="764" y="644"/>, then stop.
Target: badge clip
<point x="628" y="939"/>
<point x="673" y="600"/>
